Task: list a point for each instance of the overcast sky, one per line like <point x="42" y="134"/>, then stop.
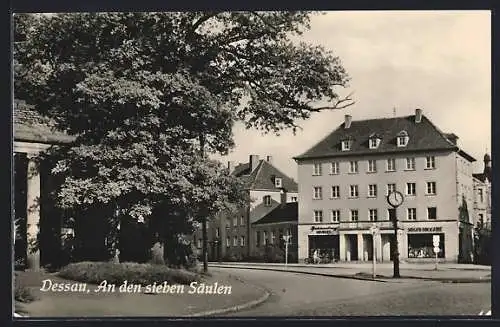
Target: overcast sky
<point x="435" y="60"/>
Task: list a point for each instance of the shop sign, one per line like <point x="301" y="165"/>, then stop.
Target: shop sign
<point x="424" y="229"/>
<point x="323" y="231"/>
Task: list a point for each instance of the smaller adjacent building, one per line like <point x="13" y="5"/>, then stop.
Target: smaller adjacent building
<point x="482" y="193"/>
<point x="270" y="230"/>
<point x="231" y="237"/>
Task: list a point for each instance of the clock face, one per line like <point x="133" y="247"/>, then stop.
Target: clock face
<point x="395" y="198"/>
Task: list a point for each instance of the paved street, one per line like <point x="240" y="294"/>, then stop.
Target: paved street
<point x="294" y="294"/>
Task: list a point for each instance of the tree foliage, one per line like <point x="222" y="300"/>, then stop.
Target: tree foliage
<point x="142" y="91"/>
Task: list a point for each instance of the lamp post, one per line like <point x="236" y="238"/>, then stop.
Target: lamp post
<point x="395" y="199"/>
<point x="286" y="238"/>
<point x="374" y="231"/>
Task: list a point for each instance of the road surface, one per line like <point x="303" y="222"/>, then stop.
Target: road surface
<point x="294" y="294"/>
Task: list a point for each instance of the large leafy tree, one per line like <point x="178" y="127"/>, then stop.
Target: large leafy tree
<point x="148" y="95"/>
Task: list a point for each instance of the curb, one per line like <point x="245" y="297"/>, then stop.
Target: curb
<point x="308" y="273"/>
<point x="240" y="307"/>
<point x="383" y="279"/>
<point x="235" y="308"/>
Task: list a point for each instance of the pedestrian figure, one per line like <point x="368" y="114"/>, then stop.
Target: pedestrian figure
<point x="316" y="256"/>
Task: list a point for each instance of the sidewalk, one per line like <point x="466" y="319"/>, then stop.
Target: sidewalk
<point x="66" y="304"/>
<point x="453" y="273"/>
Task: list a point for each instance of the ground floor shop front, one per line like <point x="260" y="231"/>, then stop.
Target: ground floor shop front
<point x="416" y="241"/>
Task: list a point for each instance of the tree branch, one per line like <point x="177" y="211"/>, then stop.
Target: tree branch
<point x="200" y="21"/>
<point x="338" y="104"/>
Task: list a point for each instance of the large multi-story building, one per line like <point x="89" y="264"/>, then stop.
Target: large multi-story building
<point x="345" y="178"/>
<point x="233" y="237"/>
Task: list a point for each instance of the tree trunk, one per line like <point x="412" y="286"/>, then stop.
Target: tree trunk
<point x="204" y="219"/>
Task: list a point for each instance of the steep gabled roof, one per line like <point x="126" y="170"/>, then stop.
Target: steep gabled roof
<point x="30" y="126"/>
<point x="288" y="212"/>
<point x="422" y="136"/>
<point x="262" y="177"/>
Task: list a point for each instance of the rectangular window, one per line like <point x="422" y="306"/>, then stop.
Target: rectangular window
<point x="354" y="192"/>
<point x="267" y="200"/>
<point x="317" y="193"/>
<point x="372" y="190"/>
<point x="273" y="237"/>
<point x="257" y="238"/>
<point x="432" y="213"/>
<point x="317" y="169"/>
<point x="334" y="168"/>
<point x="335" y="192"/>
<point x="402" y="140"/>
<point x="411" y="189"/>
<point x="430" y="162"/>
<point x="421" y="245"/>
<point x="235" y="221"/>
<point x="411" y="214"/>
<point x="410" y="163"/>
<point x="373" y="143"/>
<point x="228" y="241"/>
<point x="431" y="188"/>
<point x="242" y="240"/>
<point x="335" y="216"/>
<point x="372" y="215"/>
<point x="288" y="231"/>
<point x="318" y="216"/>
<point x="353" y="167"/>
<point x="199" y="244"/>
<point x="391" y="188"/>
<point x="390" y="214"/>
<point x="481" y="218"/>
<point x="354" y="215"/>
<point x="481" y="195"/>
<point x="391" y="164"/>
<point x="217" y="233"/>
<point x="346" y="145"/>
<point x="278" y="182"/>
<point x="372" y="166"/>
<point x="264" y="237"/>
<point x="294" y="199"/>
<point x="235" y="240"/>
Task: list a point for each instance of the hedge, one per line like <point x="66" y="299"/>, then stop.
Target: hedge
<point x="117" y="273"/>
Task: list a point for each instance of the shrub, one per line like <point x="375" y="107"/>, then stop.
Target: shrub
<point x="117" y="273"/>
<point x="23" y="294"/>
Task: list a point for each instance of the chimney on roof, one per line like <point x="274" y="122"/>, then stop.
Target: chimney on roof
<point x="230" y="166"/>
<point x="418" y="115"/>
<point x="283" y="197"/>
<point x="269" y="159"/>
<point x="347" y="121"/>
<point x="452" y="138"/>
<point x="254" y="161"/>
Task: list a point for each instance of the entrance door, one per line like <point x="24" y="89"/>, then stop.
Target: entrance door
<point x="353" y="242"/>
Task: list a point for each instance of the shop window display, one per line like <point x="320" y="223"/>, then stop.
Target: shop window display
<point x="421" y="246"/>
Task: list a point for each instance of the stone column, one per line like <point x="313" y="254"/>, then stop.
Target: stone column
<point x="342" y="248"/>
<point x="361" y="248"/>
<point x="378" y="246"/>
<point x="33" y="213"/>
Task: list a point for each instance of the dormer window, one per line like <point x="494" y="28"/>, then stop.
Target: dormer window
<point x="278" y="182"/>
<point x="267" y="200"/>
<point x="346" y="145"/>
<point x="402" y="139"/>
<point x="373" y="141"/>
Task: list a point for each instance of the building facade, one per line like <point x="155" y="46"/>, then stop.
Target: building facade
<point x="344" y="181"/>
<point x="230" y="237"/>
<point x="482" y="193"/>
<point x="270" y="232"/>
